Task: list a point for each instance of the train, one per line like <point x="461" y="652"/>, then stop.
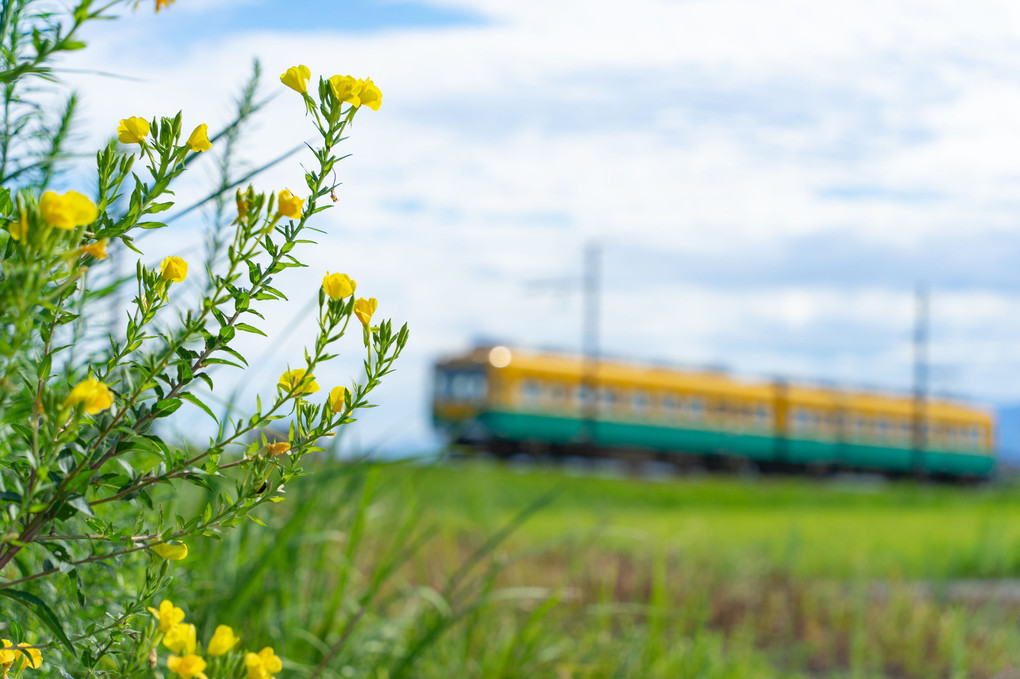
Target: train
<point x="510" y="401"/>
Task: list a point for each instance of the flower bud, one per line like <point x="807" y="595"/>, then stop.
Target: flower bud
<point x="278" y="448"/>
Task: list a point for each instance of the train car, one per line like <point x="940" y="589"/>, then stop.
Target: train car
<point x="511" y="400"/>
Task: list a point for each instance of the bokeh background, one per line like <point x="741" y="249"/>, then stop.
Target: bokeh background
<point x="768" y="182"/>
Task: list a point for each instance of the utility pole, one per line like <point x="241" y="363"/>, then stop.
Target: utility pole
<point x="591" y="288"/>
<point x="920" y="378"/>
<point x="591" y="291"/>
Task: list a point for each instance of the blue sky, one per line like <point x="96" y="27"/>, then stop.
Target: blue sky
<point x="769" y="181"/>
<point x="360" y="16"/>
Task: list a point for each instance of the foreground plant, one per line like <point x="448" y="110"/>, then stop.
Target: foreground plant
<point x="85" y="545"/>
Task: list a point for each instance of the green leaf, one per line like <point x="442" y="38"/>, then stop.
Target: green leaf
<point x="43" y="369"/>
<point x="81" y="504"/>
<point x="234" y="354"/>
<point x="41" y="611"/>
<point x="166" y="407"/>
<point x="223" y="361"/>
<point x="191" y="398"/>
<point x="250" y="328"/>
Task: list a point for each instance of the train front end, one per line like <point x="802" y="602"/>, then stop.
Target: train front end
<point x="460" y="392"/>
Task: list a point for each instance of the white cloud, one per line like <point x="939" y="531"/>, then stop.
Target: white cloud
<point x="724" y="130"/>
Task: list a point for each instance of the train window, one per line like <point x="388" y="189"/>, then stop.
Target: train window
<point x="461" y="386"/>
<point x="882" y="426"/>
<point x="583" y="394"/>
<point x="639" y="401"/>
<point x="607" y="397"/>
<point x="557" y="392"/>
<point x="531" y="391"/>
<point x="669" y="403"/>
<point x="762" y="415"/>
<point x="441" y="385"/>
<point x="799" y="419"/>
<point x="697" y="408"/>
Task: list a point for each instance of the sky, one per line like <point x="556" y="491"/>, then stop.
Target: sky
<point x="767" y="182"/>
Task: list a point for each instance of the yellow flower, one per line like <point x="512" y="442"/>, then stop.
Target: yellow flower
<point x="168" y="615"/>
<point x="97" y="249"/>
<point x="133" y="130"/>
<point x="162" y="3"/>
<point x="223" y="639"/>
<point x="261" y="665"/>
<point x="347" y="88"/>
<point x="338" y="285"/>
<point x="199" y="139"/>
<point x="181" y="638"/>
<point x="34" y="659"/>
<point x="289" y="205"/>
<point x="296" y="78"/>
<point x="364" y="308"/>
<point x="68" y="211"/>
<point x="94" y="394"/>
<point x="188" y="667"/>
<point x="7" y="657"/>
<point x="296" y="382"/>
<point x="9" y="653"/>
<point x="19" y="229"/>
<point x="175" y="550"/>
<point x="337" y="397"/>
<point x="371" y="96"/>
<point x="278" y="448"/>
<point x="173" y="269"/>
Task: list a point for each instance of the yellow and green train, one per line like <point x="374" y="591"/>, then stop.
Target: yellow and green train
<point x="510" y="400"/>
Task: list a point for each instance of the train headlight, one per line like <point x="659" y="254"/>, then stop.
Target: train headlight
<point x="499" y="357"/>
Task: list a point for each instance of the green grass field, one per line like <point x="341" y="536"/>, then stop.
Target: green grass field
<point x="431" y="571"/>
<point x="809" y="528"/>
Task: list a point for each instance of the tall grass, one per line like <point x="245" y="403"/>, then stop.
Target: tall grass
<point x="408" y="571"/>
